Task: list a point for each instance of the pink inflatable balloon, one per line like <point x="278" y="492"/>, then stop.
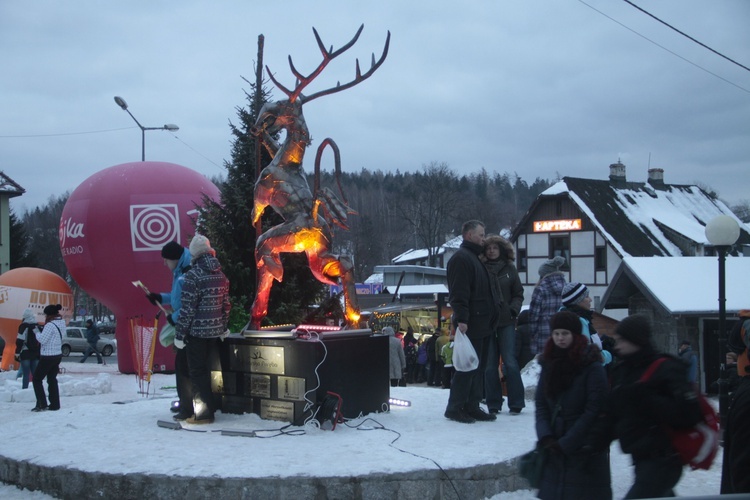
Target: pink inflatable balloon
<point x="111" y="234"/>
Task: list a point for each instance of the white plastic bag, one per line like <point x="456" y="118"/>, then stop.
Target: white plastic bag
<point x="464" y="356"/>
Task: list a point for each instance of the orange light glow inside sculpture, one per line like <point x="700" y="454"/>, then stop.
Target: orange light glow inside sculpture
<point x="308" y="214"/>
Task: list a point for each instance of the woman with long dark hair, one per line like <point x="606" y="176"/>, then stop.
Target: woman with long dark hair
<point x="569" y="398"/>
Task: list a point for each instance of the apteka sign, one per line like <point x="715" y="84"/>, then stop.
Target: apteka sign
<point x="548" y="226"/>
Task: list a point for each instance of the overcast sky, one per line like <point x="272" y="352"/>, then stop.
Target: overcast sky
<point x="542" y="88"/>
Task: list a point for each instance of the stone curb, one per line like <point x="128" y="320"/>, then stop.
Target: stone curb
<point x="478" y="482"/>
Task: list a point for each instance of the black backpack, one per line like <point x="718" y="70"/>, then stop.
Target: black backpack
<point x="32" y="344"/>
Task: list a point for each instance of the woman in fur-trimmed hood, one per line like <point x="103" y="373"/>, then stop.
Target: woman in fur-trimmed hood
<point x="498" y="257"/>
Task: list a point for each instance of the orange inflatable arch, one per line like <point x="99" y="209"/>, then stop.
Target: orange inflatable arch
<point x="32" y="288"/>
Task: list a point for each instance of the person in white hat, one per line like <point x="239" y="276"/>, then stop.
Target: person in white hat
<point x="203" y="320"/>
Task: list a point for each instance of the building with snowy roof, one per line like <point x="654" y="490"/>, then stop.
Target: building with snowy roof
<point x="595" y="224"/>
<point x="640" y="247"/>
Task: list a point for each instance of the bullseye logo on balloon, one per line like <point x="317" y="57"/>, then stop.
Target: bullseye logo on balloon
<point x="153" y="226"/>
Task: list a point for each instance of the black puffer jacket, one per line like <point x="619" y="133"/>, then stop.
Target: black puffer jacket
<point x="637" y="411"/>
<point x="470" y="292"/>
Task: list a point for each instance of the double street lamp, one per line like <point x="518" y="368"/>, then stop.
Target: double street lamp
<point x="169" y="126"/>
<point x="722" y="232"/>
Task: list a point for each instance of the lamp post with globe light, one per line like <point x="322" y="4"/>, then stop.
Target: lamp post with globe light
<point x="722" y="232"/>
<point x="169" y="126"/>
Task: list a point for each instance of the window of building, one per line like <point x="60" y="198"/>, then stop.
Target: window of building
<point x="600" y="258"/>
<point x="560" y="245"/>
<point x="521" y="260"/>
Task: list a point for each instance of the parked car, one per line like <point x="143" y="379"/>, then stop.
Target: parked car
<point x="74" y="340"/>
<point x="107" y="329"/>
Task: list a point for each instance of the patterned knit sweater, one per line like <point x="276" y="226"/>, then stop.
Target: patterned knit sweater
<point x="205" y="300"/>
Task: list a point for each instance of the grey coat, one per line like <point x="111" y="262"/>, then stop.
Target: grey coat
<point x="396" y="357"/>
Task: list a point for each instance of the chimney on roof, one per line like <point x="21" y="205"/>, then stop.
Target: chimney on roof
<point x="617" y="175"/>
<point x="656" y="178"/>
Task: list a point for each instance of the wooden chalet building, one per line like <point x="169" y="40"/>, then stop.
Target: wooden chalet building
<point x="596" y="224"/>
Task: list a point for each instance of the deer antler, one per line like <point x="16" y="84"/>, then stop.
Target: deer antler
<point x="328" y="55"/>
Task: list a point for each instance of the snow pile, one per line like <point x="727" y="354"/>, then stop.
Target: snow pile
<point x="70" y="385"/>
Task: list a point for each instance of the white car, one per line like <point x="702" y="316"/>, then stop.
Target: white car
<point x="74" y="340"/>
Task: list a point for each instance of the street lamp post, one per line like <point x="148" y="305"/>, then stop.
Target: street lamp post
<point x="722" y="232"/>
<point x="169" y="126"/>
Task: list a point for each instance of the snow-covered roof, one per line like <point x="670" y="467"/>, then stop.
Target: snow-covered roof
<point x="420" y="289"/>
<point x="374" y="279"/>
<point x="639" y="220"/>
<point x="9" y="186"/>
<point x="681" y="285"/>
<point x="413" y="255"/>
<point x="454" y="242"/>
<point x="417" y="254"/>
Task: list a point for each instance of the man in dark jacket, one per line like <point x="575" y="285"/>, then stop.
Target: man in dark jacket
<point x="177" y="259"/>
<point x="474" y="314"/>
<point x="203" y="320"/>
<point x="637" y="412"/>
<point x="92" y="337"/>
<point x="735" y="473"/>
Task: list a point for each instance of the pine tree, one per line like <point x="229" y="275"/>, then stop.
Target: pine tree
<point x="21" y="251"/>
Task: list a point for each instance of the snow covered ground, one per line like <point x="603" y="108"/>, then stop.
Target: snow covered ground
<point x="106" y="425"/>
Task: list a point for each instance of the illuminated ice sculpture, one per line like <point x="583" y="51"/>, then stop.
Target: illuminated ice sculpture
<point x="282" y="185"/>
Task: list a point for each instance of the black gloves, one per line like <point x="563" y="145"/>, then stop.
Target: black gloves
<point x="154" y="298"/>
<point x="608" y="343"/>
<point x="550" y="443"/>
<point x="170" y="320"/>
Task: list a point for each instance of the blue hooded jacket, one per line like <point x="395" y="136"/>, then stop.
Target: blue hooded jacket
<point x="178" y="276"/>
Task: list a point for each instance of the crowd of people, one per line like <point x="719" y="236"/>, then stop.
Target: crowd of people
<point x="198" y="309"/>
<point x="593" y="388"/>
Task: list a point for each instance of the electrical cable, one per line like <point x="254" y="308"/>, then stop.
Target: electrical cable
<point x="687" y="36"/>
<point x="63" y="133"/>
<point x="191" y="148"/>
<point x="379" y="426"/>
<point x="664" y="48"/>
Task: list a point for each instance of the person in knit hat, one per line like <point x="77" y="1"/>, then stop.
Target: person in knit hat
<point x="575" y="298"/>
<point x="565" y="320"/>
<point x="203" y="321"/>
<point x="545" y="301"/>
<point x="575" y="293"/>
<point x="177" y="259"/>
<point x="638" y="413"/>
<point x="200" y="245"/>
<point x="571" y="393"/>
<point x="551" y="266"/>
